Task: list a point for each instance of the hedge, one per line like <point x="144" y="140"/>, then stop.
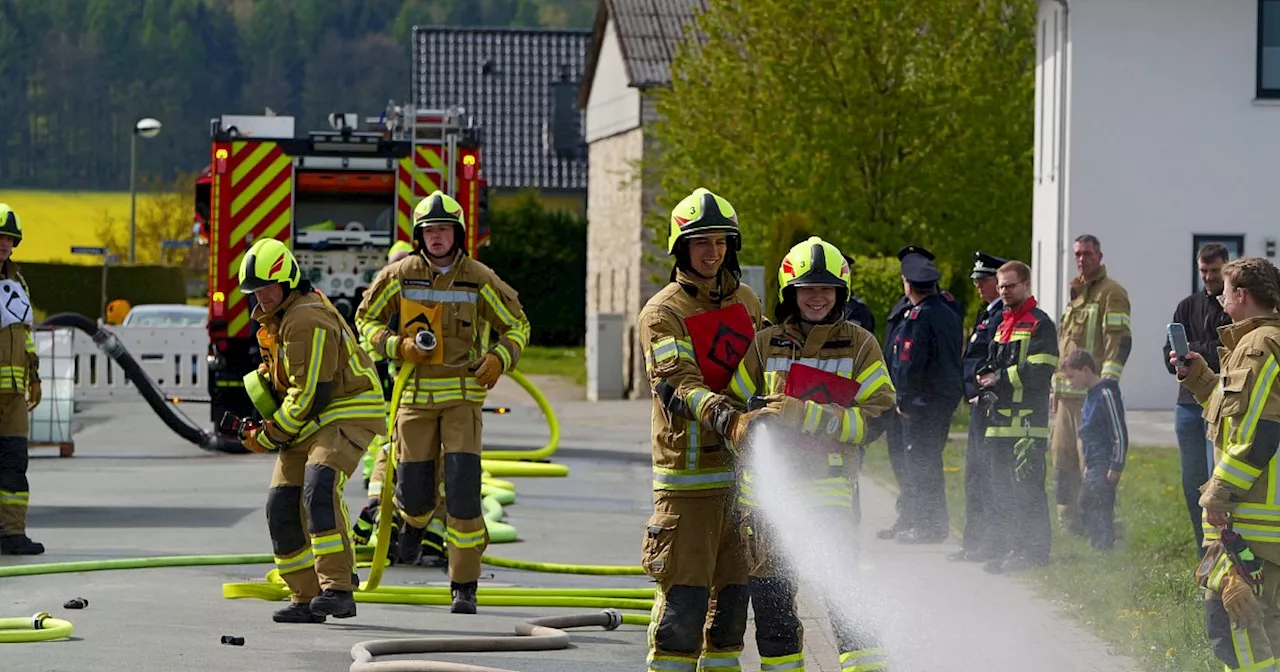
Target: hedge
<point x="543" y="255"/>
<point x="75" y="288"/>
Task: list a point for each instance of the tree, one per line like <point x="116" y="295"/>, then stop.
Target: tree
<point x="164" y="213"/>
<point x="876" y="123"/>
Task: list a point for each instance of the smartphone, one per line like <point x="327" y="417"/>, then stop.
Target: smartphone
<point x="1178" y="340"/>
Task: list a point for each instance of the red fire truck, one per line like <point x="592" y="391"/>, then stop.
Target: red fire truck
<point x="339" y="197"/>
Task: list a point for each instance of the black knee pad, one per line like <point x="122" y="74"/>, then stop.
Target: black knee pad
<point x="462" y="485"/>
<point x="416" y="487"/>
<point x="729" y="623"/>
<point x="317" y="491"/>
<point x="778" y="628"/>
<point x="1217" y="626"/>
<point x="683" y="616"/>
<point x="13" y="464"/>
<point x="284" y="519"/>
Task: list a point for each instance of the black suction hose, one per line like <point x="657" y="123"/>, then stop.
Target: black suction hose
<point x="111" y="346"/>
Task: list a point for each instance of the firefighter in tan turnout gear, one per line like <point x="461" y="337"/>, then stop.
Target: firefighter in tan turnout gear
<point x="322" y="407"/>
<point x="19" y="391"/>
<point x="693" y="333"/>
<point x="825" y="381"/>
<point x="1096" y="320"/>
<point x="445" y="304"/>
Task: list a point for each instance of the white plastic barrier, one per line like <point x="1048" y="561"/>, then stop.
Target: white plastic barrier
<point x="173" y="357"/>
<point x="51" y="421"/>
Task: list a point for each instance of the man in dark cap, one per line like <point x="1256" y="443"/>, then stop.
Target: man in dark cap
<point x="978" y="544"/>
<point x="926" y="368"/>
<point x="892" y="422"/>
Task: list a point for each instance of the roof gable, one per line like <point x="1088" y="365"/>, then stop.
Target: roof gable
<point x="504" y="79"/>
<point x="648" y="33"/>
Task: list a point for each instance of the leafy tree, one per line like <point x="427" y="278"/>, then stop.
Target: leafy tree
<point x="873" y="123"/>
<point x="163" y="213"/>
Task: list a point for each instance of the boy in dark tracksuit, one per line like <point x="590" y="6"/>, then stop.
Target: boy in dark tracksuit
<point x="1104" y="437"/>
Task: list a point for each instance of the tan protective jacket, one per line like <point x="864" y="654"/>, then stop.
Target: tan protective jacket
<point x="823" y="447"/>
<point x="459" y="307"/>
<point x="316" y="369"/>
<point x="1097" y="320"/>
<point x="688" y="456"/>
<point x="1246" y="474"/>
<point x="18" y="360"/>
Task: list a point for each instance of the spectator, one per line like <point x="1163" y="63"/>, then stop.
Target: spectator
<point x="1104" y="436"/>
<point x="1200" y="314"/>
<point x="855" y="309"/>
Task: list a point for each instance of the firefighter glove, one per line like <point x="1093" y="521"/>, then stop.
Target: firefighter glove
<point x="410" y="353"/>
<point x="256" y="440"/>
<point x="1242" y="604"/>
<point x="33" y="394"/>
<point x="1021" y="457"/>
<point x="489" y="371"/>
<point x="789" y="410"/>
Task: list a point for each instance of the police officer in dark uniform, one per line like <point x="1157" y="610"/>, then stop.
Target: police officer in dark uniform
<point x="926" y="368"/>
<point x="891" y="422"/>
<point x="978" y="542"/>
<point x="855" y="309"/>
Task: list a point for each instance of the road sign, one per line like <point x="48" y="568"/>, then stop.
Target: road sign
<point x="96" y="251"/>
<point x="170" y="244"/>
<point x="113" y="258"/>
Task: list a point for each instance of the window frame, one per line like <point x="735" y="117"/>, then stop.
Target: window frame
<point x="1261" y="92"/>
<point x="1234" y="242"/>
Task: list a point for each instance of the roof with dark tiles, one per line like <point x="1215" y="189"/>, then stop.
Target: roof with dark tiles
<point x="648" y="33"/>
<point x="503" y="78"/>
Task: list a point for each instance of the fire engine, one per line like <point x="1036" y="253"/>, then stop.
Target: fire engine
<point x="340" y="197"/>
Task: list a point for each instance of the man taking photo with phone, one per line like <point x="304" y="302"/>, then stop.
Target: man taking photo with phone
<point x="1200" y="315"/>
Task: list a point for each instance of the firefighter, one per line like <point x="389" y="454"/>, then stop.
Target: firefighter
<point x="1096" y="320"/>
<point x="329" y="410"/>
<point x="892" y="424"/>
<point x="1242" y="411"/>
<point x="19" y="391"/>
<point x="1018" y="373"/>
<point x="444" y="303"/>
<point x="398" y="251"/>
<point x="977" y="541"/>
<point x="693" y="332"/>
<point x="825" y="382"/>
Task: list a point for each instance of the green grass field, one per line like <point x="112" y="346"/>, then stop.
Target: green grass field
<point x="53" y="221"/>
<point x="568" y="362"/>
<point x="1139" y="596"/>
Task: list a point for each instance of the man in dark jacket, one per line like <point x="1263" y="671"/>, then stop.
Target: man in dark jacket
<point x="855" y="309"/>
<point x="1200" y="314"/>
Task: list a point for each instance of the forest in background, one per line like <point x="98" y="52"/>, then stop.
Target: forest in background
<point x="75" y="75"/>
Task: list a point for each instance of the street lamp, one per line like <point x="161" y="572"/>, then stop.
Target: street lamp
<point x="147" y="128"/>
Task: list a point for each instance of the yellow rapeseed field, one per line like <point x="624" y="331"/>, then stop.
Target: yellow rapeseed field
<point x="53" y="221"/>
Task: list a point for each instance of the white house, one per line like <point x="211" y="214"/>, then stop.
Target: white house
<point x="1157" y="130"/>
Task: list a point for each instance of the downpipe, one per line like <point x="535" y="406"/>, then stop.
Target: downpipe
<point x="111" y="346"/>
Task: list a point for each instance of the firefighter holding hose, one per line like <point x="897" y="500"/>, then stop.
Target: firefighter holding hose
<point x="693" y="333"/>
<point x="824" y="380"/>
<point x="19" y="391"/>
<point x="322" y="407"/>
<point x="445" y="303"/>
<point x="1241" y="566"/>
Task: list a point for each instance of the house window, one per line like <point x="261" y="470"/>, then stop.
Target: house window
<point x="1235" y="249"/>
<point x="1268" y="49"/>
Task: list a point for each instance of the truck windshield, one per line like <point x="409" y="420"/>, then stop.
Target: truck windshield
<point x="318" y="212"/>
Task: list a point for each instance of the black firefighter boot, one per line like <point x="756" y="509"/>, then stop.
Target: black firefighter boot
<point x="464" y="598"/>
<point x="297" y="612"/>
<point x="410" y="543"/>
<point x="335" y="603"/>
<point x="19" y="544"/>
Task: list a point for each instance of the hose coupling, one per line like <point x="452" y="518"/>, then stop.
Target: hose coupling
<point x="109" y="343"/>
<point x="37" y="621"/>
<point x="615" y="619"/>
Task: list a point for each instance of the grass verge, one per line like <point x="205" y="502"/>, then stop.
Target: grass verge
<point x="570" y="363"/>
<point x="1138" y="597"/>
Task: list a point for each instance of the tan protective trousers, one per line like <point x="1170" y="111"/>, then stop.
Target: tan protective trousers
<point x="1067" y="461"/>
<point x="434" y="538"/>
<point x="1256" y="648"/>
<point x="446" y="440"/>
<point x="14" y="488"/>
<point x="307" y="517"/>
<point x="692" y="548"/>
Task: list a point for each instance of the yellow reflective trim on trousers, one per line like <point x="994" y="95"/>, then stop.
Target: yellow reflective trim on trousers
<point x="1015" y="381"/>
<point x="692" y="479"/>
<point x="327" y="544"/>
<point x="295" y="563"/>
<point x="464" y="539"/>
<point x="671" y="663"/>
<point x="788" y="663"/>
<point x="14" y="498"/>
<point x="290" y="416"/>
<point x="871" y="379"/>
<point x="721" y="661"/>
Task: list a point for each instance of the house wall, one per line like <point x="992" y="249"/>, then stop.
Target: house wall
<point x="613" y="107"/>
<point x="1164" y="141"/>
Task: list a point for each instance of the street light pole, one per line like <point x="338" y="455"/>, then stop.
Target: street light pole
<point x="147" y="128"/>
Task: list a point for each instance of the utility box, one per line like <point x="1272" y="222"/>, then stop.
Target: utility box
<point x="604" y="355"/>
<point x="753" y="277"/>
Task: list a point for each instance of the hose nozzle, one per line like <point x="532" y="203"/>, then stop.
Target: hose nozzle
<point x="615" y="619"/>
<point x="425" y="340"/>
